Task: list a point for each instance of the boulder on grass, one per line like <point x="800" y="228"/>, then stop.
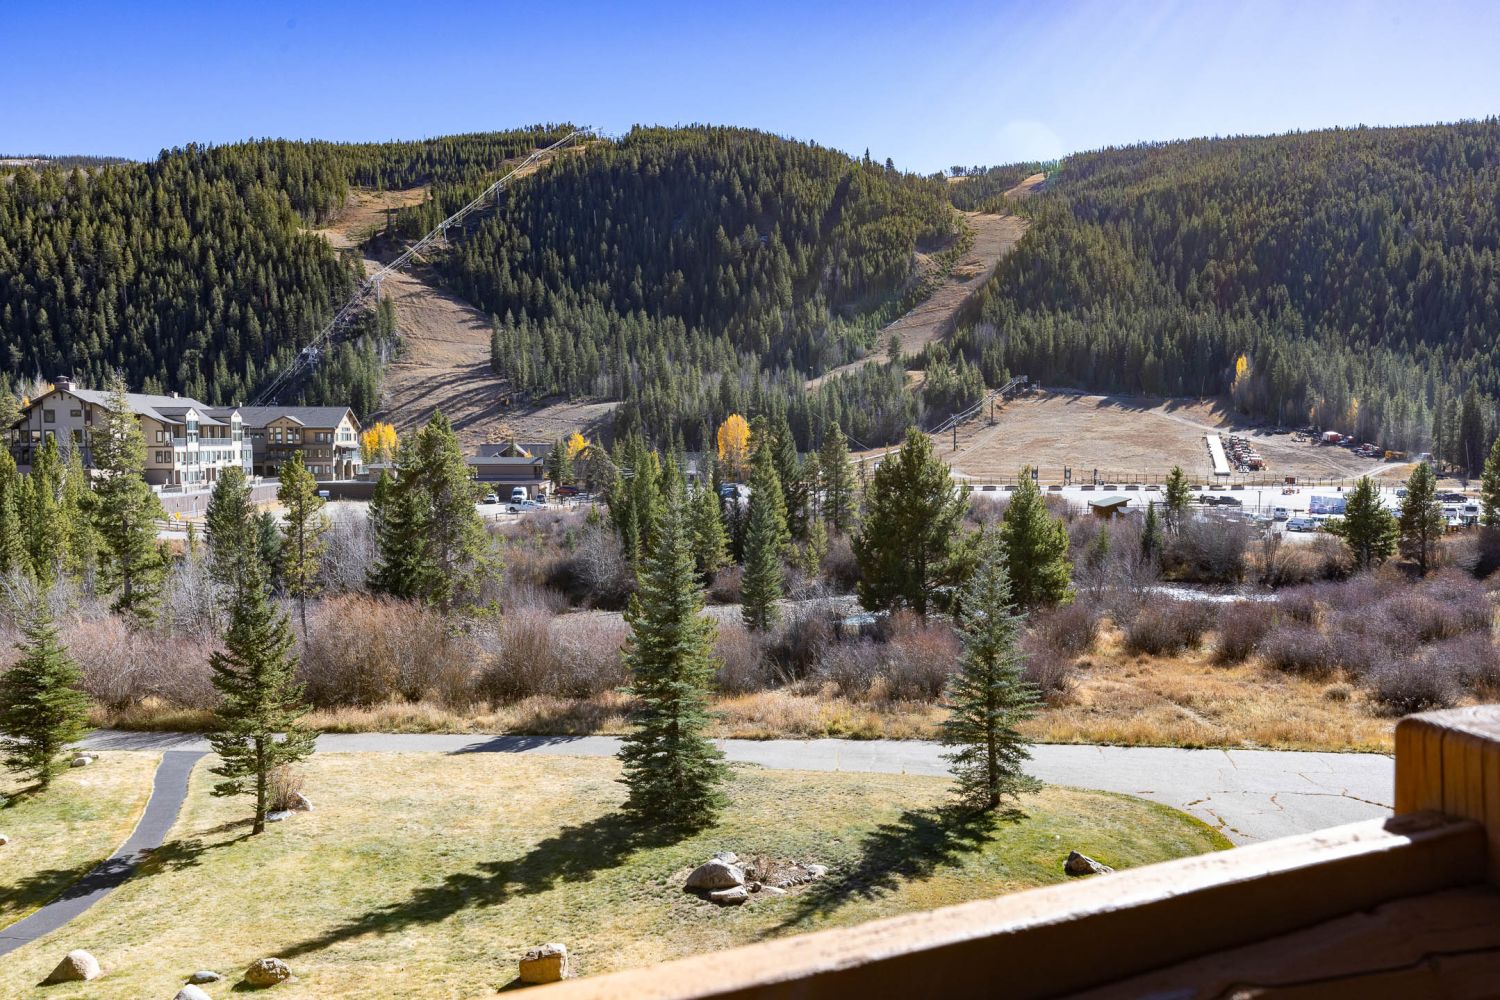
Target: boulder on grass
<point x="78" y="967"/>
<point x="82" y="760"/>
<point x="728" y="857"/>
<point x="4" y="840"/>
<point x="267" y="972"/>
<point x="1082" y="864"/>
<point x="730" y="897"/>
<point x="301" y="803"/>
<point x="191" y="993"/>
<point x="715" y="874"/>
<point x="276" y="816"/>
<point x="815" y="871"/>
<point x="205" y="976"/>
<point x="545" y="964"/>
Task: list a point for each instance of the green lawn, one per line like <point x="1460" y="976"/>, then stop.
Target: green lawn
<point x="58" y="835"/>
<point x="422" y="875"/>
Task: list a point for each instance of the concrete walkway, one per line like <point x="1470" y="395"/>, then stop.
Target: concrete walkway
<point x="168" y="790"/>
<point x="1248" y="794"/>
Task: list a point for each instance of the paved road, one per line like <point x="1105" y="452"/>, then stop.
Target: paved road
<point x="167" y="792"/>
<point x="1249" y="794"/>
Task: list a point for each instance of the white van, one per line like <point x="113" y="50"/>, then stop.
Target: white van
<point x="518" y="494"/>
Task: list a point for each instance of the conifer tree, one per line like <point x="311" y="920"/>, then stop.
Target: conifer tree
<point x="81" y="546"/>
<point x="600" y="473"/>
<point x="1366" y="527"/>
<point x="42" y="707"/>
<point x="789" y="474"/>
<point x="42" y="516"/>
<point x="710" y="548"/>
<point x="1152" y="542"/>
<point x="231" y="528"/>
<point x="1489" y="488"/>
<point x="14" y="557"/>
<point x="1036" y="549"/>
<point x="910" y="533"/>
<point x="672" y="770"/>
<point x="560" y="463"/>
<point x="989" y="695"/>
<point x="400" y="521"/>
<point x="1176" y="497"/>
<point x="1421" y="520"/>
<point x="303" y="526"/>
<point x="255" y="727"/>
<point x="839" y="489"/>
<point x="126" y="511"/>
<point x="455" y="544"/>
<point x="766" y="536"/>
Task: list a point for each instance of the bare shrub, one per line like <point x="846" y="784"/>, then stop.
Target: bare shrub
<point x="1297" y="648"/>
<point x="1168" y="627"/>
<point x="986" y="509"/>
<point x="1068" y="630"/>
<point x="725" y="588"/>
<point x="1209" y="550"/>
<point x="521" y="594"/>
<point x="524" y="663"/>
<point x="1405" y="686"/>
<point x="122" y="667"/>
<point x="801" y="640"/>
<point x="1049" y="671"/>
<point x="1471" y="658"/>
<point x="840" y="567"/>
<point x="919" y="660"/>
<point x="1424" y="617"/>
<point x="1242" y="625"/>
<point x="349" y="551"/>
<point x="586" y="655"/>
<point x="1320" y="558"/>
<point x="852" y="667"/>
<point x="595" y="572"/>
<point x="743" y="666"/>
<point x="1301" y="605"/>
<point x="285" y="787"/>
<point x="1475" y="552"/>
<point x="364" y="651"/>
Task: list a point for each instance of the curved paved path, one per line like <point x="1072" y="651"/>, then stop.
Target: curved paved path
<point x="1248" y="794"/>
<point x="168" y="789"/>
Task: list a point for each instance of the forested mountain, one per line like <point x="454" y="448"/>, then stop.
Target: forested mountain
<point x="192" y="272"/>
<point x="1355" y="271"/>
<point x="689" y="271"/>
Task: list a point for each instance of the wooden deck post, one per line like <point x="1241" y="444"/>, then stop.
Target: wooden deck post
<point x="1449" y="762"/>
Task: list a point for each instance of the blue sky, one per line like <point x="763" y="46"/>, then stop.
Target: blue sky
<point x="929" y="84"/>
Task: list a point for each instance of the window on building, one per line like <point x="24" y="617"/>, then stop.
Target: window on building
<point x="49" y="416"/>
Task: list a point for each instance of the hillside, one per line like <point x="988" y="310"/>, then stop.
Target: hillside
<point x="1356" y="273"/>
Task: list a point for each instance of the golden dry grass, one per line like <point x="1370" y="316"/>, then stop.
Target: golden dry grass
<point x="427" y="875"/>
<point x="58" y="835"/>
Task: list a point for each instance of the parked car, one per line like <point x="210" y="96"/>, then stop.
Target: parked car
<point x="1280" y="514"/>
<point x="522" y="506"/>
<point x="491" y="497"/>
<point x="1451" y="497"/>
<point x="1231" y="502"/>
<point x="518" y="494"/>
<point x="568" y="491"/>
<point x="1302" y="524"/>
<point x="1208" y="500"/>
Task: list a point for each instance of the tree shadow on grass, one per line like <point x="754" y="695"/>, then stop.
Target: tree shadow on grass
<point x="188" y="852"/>
<point x="39" y="887"/>
<point x="574" y="854"/>
<point x="916" y="844"/>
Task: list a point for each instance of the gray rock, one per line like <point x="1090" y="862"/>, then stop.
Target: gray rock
<point x="547" y="963"/>
<point x="728" y="857"/>
<point x="716" y="874"/>
<point x="815" y="871"/>
<point x="267" y="972"/>
<point x="78" y="967"/>
<point x="300" y="803"/>
<point x="730" y="897"/>
<point x="278" y="816"/>
<point x="191" y="993"/>
<point x="1082" y="864"/>
<point x="4" y="840"/>
<point x="82" y="760"/>
<point x="770" y="890"/>
<point x="205" y="976"/>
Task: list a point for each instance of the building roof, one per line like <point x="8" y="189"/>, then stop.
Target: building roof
<point x="1115" y="501"/>
<point x="308" y="416"/>
<point x="167" y="409"/>
<point x="515" y="449"/>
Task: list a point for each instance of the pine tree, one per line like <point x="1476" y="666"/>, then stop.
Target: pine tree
<point x="455" y="544"/>
<point x="560" y="464"/>
<point x="766" y="536"/>
<point x="839" y="489"/>
<point x="710" y="548"/>
<point x="1152" y="541"/>
<point x="230" y="525"/>
<point x="400" y="521"/>
<point x="41" y="517"/>
<point x="42" y="708"/>
<point x="672" y="770"/>
<point x="1036" y="549"/>
<point x="910" y="533"/>
<point x="81" y="547"/>
<point x="599" y="474"/>
<point x="1366" y="527"/>
<point x="1176" y="498"/>
<point x="126" y="512"/>
<point x="1421" y="519"/>
<point x="989" y="695"/>
<point x="303" y="526"/>
<point x="14" y="557"/>
<point x="789" y="474"/>
<point x="1489" y="489"/>
<point x="255" y="727"/>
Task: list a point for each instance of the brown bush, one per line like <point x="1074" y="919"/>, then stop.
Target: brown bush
<point x="1208" y="550"/>
<point x="1168" y="627"/>
<point x="1069" y="630"/>
<point x="587" y="655"/>
<point x="285" y="786"/>
<point x="1298" y="648"/>
<point x="1321" y="558"/>
<point x="801" y="640"/>
<point x="918" y="662"/>
<point x="725" y="588"/>
<point x="852" y="667"/>
<point x="1406" y="686"/>
<point x="743" y="666"/>
<point x="1472" y="659"/>
<point x="523" y="663"/>
<point x="1049" y="671"/>
<point x="122" y="667"/>
<point x="840" y="567"/>
<point x="364" y="651"/>
<point x="1242" y="626"/>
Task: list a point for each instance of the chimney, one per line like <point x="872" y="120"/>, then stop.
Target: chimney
<point x="174" y="393"/>
<point x="63" y="382"/>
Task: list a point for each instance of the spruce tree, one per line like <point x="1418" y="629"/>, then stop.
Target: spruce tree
<point x="42" y="515"/>
<point x="840" y="493"/>
<point x="400" y="521"/>
<point x="910" y="533"/>
<point x="81" y="546"/>
<point x="560" y="464"/>
<point x="1366" y="527"/>
<point x="1152" y="541"/>
<point x="789" y="474"/>
<point x="230" y="524"/>
<point x="1036" y="549"/>
<point x="255" y="727"/>
<point x="989" y="695"/>
<point x="1421" y="521"/>
<point x="766" y="536"/>
<point x="672" y="770"/>
<point x="302" y="528"/>
<point x="455" y="544"/>
<point x="710" y="548"/>
<point x="1176" y="498"/>
<point x="1489" y="488"/>
<point x="42" y="708"/>
<point x="14" y="557"/>
<point x="126" y="512"/>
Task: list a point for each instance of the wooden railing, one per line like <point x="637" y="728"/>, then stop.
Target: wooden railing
<point x="1188" y="928"/>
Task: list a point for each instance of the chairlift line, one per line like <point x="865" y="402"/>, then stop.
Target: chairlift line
<point x="308" y="354"/>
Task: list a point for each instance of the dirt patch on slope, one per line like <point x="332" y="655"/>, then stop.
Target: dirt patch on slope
<point x="994" y="237"/>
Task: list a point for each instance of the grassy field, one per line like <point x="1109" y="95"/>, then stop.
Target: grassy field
<point x="58" y="836"/>
<point x="428" y="875"/>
